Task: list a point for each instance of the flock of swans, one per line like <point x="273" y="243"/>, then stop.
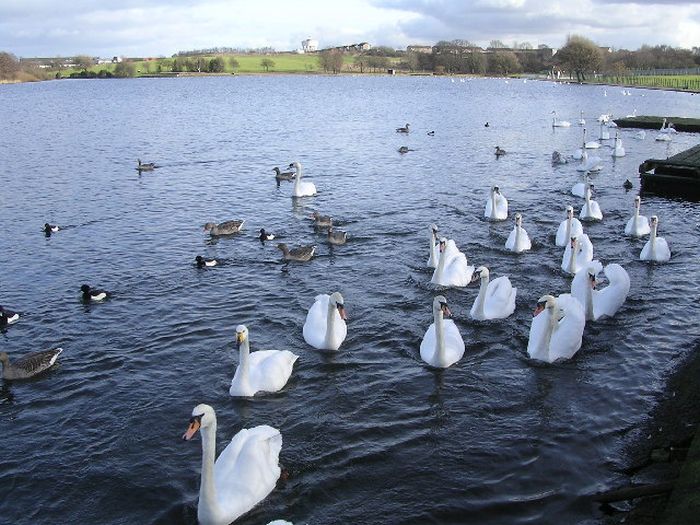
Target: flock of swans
<point x="248" y="468"/>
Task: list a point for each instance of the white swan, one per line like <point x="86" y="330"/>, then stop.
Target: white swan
<point x="667" y="128"/>
<point x="453" y="268"/>
<point x="442" y="344"/>
<point x="638" y="225"/>
<point x="604" y="133"/>
<point x="496" y="206"/>
<point x="434" y="253"/>
<point x="656" y="248"/>
<point x="518" y="241"/>
<point x="301" y="189"/>
<point x="605" y="302"/>
<point x="556" y="331"/>
<point x="578" y="252"/>
<point x="244" y="474"/>
<point x="618" y="151"/>
<point x="591" y="144"/>
<point x="640" y="135"/>
<point x="590" y="164"/>
<point x="591" y="209"/>
<point x="496" y="299"/>
<point x="559" y="123"/>
<point x="325" y="326"/>
<point x="568" y="228"/>
<point x="582" y="121"/>
<point x="261" y="371"/>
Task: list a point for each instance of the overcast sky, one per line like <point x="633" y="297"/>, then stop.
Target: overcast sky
<point x="163" y="27"/>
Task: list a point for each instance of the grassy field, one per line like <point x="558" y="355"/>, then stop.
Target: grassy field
<point x="689" y="82"/>
<point x="248" y="64"/>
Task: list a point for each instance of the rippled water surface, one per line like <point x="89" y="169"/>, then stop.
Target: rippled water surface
<point x="371" y="435"/>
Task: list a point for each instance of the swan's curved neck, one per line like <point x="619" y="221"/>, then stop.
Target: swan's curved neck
<point x="589" y="301"/>
<point x="207" y="489"/>
<point x="551" y="326"/>
<point x="569" y="220"/>
<point x="441" y="265"/>
<point x="652" y="239"/>
<point x="493" y="204"/>
<point x="433" y="249"/>
<point x="636" y="213"/>
<point x="297" y="178"/>
<point x="517" y="236"/>
<point x="481" y="297"/>
<point x="330" y="324"/>
<point x="244" y="365"/>
<point x="572" y="259"/>
<point x="439" y="336"/>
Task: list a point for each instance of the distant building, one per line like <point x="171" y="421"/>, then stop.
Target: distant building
<point x="309" y="45"/>
<point x="420" y="49"/>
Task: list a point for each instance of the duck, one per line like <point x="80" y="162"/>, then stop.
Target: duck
<point x="403" y="129"/>
<point x="496" y="206"/>
<point x="496" y="299"/>
<point x="224" y="228"/>
<point x="600" y="303"/>
<point x="325" y="327"/>
<point x="591" y="209"/>
<point x="656" y="248"/>
<point x="92" y="294"/>
<point x="453" y="268"/>
<point x="301" y="189"/>
<point x="283" y="175"/>
<point x="442" y="345"/>
<point x="568" y="228"/>
<point x="518" y="241"/>
<point x="578" y="252"/>
<point x="500" y="151"/>
<point x="28" y="365"/>
<point x="558" y="159"/>
<point x="50" y="228"/>
<point x="559" y="123"/>
<point x="337" y="237"/>
<point x="145" y="166"/>
<point x="245" y="473"/>
<point x="261" y="371"/>
<point x="404" y="149"/>
<point x="486" y="125"/>
<point x="321" y="221"/>
<point x="627" y="184"/>
<point x="431" y="133"/>
<point x="618" y="150"/>
<point x="201" y="262"/>
<point x="637" y="225"/>
<point x="434" y="242"/>
<point x="265" y="236"/>
<point x="302" y="253"/>
<point x="556" y="332"/>
<point x="7" y="317"/>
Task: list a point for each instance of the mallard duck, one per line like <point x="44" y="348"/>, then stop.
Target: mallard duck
<point x="337" y="237"/>
<point x="302" y="253"/>
<point x="223" y="228"/>
<point x="92" y="294"/>
<point x="28" y="365"/>
<point x="201" y="262"/>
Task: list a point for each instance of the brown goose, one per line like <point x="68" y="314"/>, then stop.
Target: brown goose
<point x="321" y="221"/>
<point x="224" y="228"/>
<point x="283" y="175"/>
<point x="337" y="237"/>
<point x="145" y="166"/>
<point x="29" y="365"/>
<point x="402" y="130"/>
<point x="303" y="253"/>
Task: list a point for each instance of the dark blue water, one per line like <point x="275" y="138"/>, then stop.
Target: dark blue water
<point x="371" y="435"/>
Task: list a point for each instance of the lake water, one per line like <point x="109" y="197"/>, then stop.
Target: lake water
<point x="371" y="434"/>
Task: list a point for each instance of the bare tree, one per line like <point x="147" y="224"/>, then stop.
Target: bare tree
<point x="84" y="62"/>
<point x="331" y="60"/>
<point x="9" y="65"/>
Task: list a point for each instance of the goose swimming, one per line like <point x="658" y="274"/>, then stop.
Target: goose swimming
<point x="224" y="228"/>
<point x="29" y="365"/>
<point x="302" y="253"/>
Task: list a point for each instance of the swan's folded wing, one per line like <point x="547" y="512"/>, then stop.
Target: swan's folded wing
<point x="454" y="344"/>
<point x="315" y="325"/>
<point x="248" y="469"/>
<point x="427" y="345"/>
<point x="566" y="339"/>
<point x="500" y="298"/>
<point x="609" y="300"/>
<point x="663" y="252"/>
<point x="510" y="242"/>
<point x="270" y="369"/>
<point x="536" y="345"/>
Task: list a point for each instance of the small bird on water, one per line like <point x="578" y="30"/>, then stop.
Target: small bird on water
<point x="404" y="129"/>
<point x="265" y="236"/>
<point x="7" y="317"/>
<point x="50" y="228"/>
<point x="202" y="262"/>
<point x="145" y="166"/>
<point x="92" y="294"/>
<point x="500" y="151"/>
<point x="302" y="253"/>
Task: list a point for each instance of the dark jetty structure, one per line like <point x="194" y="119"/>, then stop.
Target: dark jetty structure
<point x="678" y="175"/>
